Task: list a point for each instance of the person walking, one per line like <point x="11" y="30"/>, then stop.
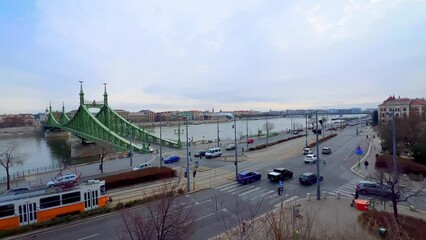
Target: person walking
<point x="366" y="164"/>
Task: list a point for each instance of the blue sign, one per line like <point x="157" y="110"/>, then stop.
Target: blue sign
<point x="281" y="183"/>
<point x="358" y="151"/>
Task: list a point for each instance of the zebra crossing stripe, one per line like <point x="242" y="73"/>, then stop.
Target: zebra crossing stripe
<point x="241" y="188"/>
<point x="230" y="187"/>
<point x="225" y="185"/>
<point x="250" y="191"/>
<point x="291" y="199"/>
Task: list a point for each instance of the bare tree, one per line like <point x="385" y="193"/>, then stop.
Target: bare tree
<point x="268" y="127"/>
<point x="167" y="218"/>
<point x="8" y="159"/>
<point x="103" y="149"/>
<point x="399" y="193"/>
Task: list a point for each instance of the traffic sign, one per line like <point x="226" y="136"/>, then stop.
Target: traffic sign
<point x="358" y="151"/>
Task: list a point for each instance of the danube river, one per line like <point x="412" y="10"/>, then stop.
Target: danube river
<point x="39" y="152"/>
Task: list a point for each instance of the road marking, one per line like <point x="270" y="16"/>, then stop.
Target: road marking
<point x="233" y="186"/>
<point x="94" y="235"/>
<point x="254" y="189"/>
<point x="225" y="185"/>
<point x="205" y="216"/>
<point x="233" y="191"/>
<point x="291" y="199"/>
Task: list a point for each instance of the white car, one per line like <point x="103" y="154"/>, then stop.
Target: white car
<point x="310" y="158"/>
<point x="142" y="166"/>
<point x="307" y="151"/>
<point x="62" y="180"/>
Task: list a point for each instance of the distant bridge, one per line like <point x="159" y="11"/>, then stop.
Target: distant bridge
<point x="106" y="126"/>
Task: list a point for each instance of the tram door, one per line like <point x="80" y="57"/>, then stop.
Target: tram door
<point x="91" y="199"/>
<point x="27" y="213"/>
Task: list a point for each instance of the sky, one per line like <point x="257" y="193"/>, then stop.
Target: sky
<point x="203" y="55"/>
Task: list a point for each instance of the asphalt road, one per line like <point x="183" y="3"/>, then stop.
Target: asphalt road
<point x="236" y="198"/>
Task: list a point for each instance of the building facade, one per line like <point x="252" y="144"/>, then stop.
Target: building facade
<point x="402" y="107"/>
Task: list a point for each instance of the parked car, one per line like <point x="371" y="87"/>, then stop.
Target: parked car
<point x="142" y="166"/>
<point x="245" y="177"/>
<point x="295" y="132"/>
<point x="250" y="140"/>
<point x="171" y="159"/>
<point x="62" y="180"/>
<point x="230" y="147"/>
<point x="213" y="152"/>
<point x="14" y="191"/>
<point x="373" y="188"/>
<point x="279" y="174"/>
<point x="307" y="151"/>
<point x="326" y="150"/>
<point x="310" y="158"/>
<point x="309" y="178"/>
<point x="200" y="154"/>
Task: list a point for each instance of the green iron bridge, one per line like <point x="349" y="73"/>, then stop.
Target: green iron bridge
<point x="106" y="126"/>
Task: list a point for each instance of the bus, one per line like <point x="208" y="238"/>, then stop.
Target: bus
<point x="43" y="205"/>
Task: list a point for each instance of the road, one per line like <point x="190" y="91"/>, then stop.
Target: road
<point x="236" y="197"/>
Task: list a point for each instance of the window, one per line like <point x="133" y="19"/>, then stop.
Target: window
<point x="71" y="197"/>
<point x="7" y="210"/>
<point x="103" y="190"/>
<point x="50" y="202"/>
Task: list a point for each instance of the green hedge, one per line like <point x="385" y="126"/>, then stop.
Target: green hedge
<point x="405" y="165"/>
<point x="140" y="176"/>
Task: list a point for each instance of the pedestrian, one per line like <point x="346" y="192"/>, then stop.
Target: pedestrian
<point x="356" y="196"/>
<point x="366" y="164"/>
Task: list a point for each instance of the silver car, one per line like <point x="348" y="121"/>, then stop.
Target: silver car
<point x="373" y="188"/>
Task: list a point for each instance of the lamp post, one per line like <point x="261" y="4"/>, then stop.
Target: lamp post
<point x="161" y="145"/>
<point x="187" y="157"/>
<point x="218" y="138"/>
<point x="131" y="146"/>
<point x="267" y="131"/>
<point x="236" y="148"/>
<point x="306" y="130"/>
<point x="395" y="167"/>
<point x="318" y="160"/>
<point x="247" y="138"/>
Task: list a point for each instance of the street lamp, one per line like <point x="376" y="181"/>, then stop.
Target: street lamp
<point x="161" y="145"/>
<point x="131" y="147"/>
<point x="267" y="131"/>
<point x="306" y="130"/>
<point x="187" y="156"/>
<point x="395" y="167"/>
<point x="247" y="138"/>
<point x="318" y="160"/>
<point x="218" y="139"/>
<point x="236" y="148"/>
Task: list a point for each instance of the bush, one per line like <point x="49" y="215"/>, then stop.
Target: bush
<point x="135" y="177"/>
<point x="405" y="165"/>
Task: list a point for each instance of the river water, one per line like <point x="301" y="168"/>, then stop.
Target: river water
<point x="41" y="152"/>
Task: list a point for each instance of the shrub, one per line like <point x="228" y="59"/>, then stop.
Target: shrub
<point x="405" y="165"/>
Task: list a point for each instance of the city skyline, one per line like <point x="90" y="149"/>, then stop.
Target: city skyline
<point x="214" y="54"/>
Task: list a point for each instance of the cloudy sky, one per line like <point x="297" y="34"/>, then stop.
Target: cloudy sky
<point x="229" y="55"/>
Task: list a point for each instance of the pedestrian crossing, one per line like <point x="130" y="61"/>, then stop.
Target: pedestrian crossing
<point x="347" y="189"/>
<point x="253" y="193"/>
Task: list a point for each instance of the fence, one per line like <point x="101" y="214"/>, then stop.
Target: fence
<point x="22" y="173"/>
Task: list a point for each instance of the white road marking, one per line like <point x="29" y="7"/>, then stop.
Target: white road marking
<point x="254" y="189"/>
<point x="225" y="185"/>
<point x="94" y="235"/>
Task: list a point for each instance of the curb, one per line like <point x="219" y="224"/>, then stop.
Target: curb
<point x="362" y="160"/>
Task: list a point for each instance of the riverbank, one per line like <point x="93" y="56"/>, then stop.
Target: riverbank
<point x="20" y="131"/>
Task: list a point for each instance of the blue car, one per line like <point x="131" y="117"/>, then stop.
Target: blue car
<point x="247" y="177"/>
<point x="171" y="159"/>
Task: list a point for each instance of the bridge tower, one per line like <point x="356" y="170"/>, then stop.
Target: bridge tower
<point x="81" y="93"/>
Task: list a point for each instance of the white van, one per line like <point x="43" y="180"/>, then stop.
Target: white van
<point x="213" y="152"/>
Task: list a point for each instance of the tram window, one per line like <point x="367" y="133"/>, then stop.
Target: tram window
<point x="7" y="210"/>
<point x="50" y="202"/>
<point x="71" y="197"/>
<point x="103" y="190"/>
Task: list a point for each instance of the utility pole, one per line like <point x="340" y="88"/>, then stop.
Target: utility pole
<point x="218" y="139"/>
<point x="131" y="146"/>
<point x="395" y="167"/>
<point x="187" y="157"/>
<point x="306" y="130"/>
<point x="247" y="138"/>
<point x="236" y="148"/>
<point x="267" y="131"/>
<point x="161" y="145"/>
<point x="318" y="160"/>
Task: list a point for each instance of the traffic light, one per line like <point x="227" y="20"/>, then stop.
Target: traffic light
<point x="193" y="173"/>
<point x="186" y="174"/>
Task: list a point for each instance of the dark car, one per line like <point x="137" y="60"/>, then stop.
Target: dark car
<point x="171" y="159"/>
<point x="279" y="174"/>
<point x="200" y="154"/>
<point x="230" y="147"/>
<point x="245" y="177"/>
<point x="308" y="178"/>
<point x="326" y="150"/>
<point x="373" y="188"/>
